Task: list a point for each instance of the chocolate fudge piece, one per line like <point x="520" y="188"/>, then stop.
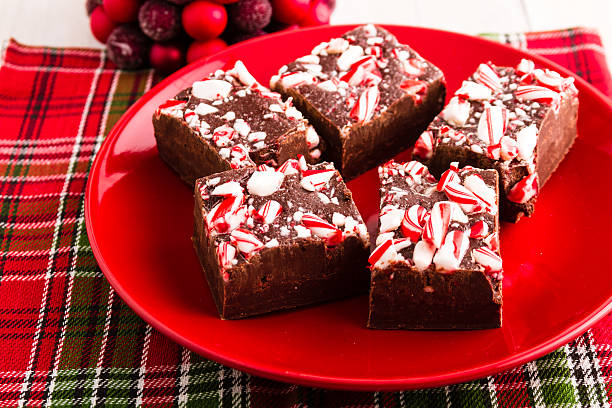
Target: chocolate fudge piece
<point x="270" y="240"/>
<point x="368" y="96"/>
<point x="519" y="121"/>
<point x="437" y="262"/>
<point x="229" y="121"/>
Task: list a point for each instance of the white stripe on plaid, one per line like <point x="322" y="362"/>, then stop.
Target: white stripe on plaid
<point x="37" y="196"/>
<point x="43" y="252"/>
<point x="183" y="397"/>
<point x="37" y="225"/>
<point x="564" y="50"/>
<point x="99" y="369"/>
<point x="597" y="369"/>
<point x="36" y="68"/>
<point x="549" y="35"/>
<point x="492" y="391"/>
<point x="534" y="381"/>
<point x="58" y="274"/>
<point x="573" y="377"/>
<point x="45" y="142"/>
<point x="60" y="210"/>
<point x="47" y="162"/>
<point x="143" y="365"/>
<point x="33" y="179"/>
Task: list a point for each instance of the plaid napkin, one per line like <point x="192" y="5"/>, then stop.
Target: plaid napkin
<point x="66" y="339"/>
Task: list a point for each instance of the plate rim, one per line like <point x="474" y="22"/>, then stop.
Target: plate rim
<point x="331" y="382"/>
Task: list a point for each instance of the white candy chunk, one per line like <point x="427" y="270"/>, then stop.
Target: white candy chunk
<point x="474" y="91"/>
<point x="211" y="89"/>
<point x="297" y="216"/>
<point x="324" y="199"/>
<point x="231" y="188"/>
<point x="349" y="57"/>
<point x="272" y="243"/>
<point x="309" y="59"/>
<point x="369" y="30"/>
<point x="229" y="116"/>
<point x="389" y="255"/>
<point x="224" y="152"/>
<point x="457" y="213"/>
<point x="312" y="138"/>
<point x="213" y="181"/>
<point x="328" y="86"/>
<point x="423" y="254"/>
<point x="445" y="258"/>
<point x="350" y="223"/>
<point x="456" y="112"/>
<point x="383" y="237"/>
<point x="242" y="74"/>
<point x="204" y="109"/>
<point x="302" y="231"/>
<point x="338" y="219"/>
<point x="242" y="127"/>
<point x="527" y="138"/>
<point x="402" y="243"/>
<point x="337" y="46"/>
<point x="264" y="183"/>
<point x="476" y="185"/>
<point x="363" y="232"/>
<point x="293" y="113"/>
<point x="256" y="136"/>
<point x="391" y="219"/>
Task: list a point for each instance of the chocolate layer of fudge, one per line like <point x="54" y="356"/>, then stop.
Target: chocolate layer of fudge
<point x="437" y="263"/>
<point x="228" y="121"/>
<point x="519" y="121"/>
<point x="278" y="239"/>
<point x="368" y="96"/>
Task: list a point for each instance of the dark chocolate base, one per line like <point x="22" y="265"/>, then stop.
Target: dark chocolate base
<point x="282" y="277"/>
<point x="404" y="298"/>
<point x="377" y="141"/>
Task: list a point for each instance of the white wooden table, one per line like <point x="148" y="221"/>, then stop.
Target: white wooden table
<point x="64" y="22"/>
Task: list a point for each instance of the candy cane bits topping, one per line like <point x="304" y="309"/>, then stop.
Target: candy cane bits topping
<point x="211" y="89"/>
<point x="479" y="230"/>
<point x="413" y="222"/>
<point x="492" y="124"/>
<point x="223" y="135"/>
<point x="487" y="76"/>
<point x="488" y="259"/>
<point x="456" y="112"/>
<point x="384" y="254"/>
<point x="366" y="105"/>
<point x="226" y="253"/>
<point x="316" y="180"/>
<point x="268" y="212"/>
<point x="245" y="241"/>
<point x="437" y="224"/>
<point x="264" y="183"/>
<point x="524" y="190"/>
<point x="423" y="147"/>
<point x="322" y="229"/>
<point x="449" y="256"/>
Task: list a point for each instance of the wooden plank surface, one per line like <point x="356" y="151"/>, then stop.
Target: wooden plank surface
<point x="64" y="22"/>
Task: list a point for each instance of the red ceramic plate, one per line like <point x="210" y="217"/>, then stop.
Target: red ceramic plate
<point x="139" y="221"/>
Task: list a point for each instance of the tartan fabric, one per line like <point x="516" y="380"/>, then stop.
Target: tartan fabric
<point x="66" y="339"/>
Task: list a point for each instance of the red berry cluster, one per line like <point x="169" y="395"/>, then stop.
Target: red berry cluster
<point x="166" y="34"/>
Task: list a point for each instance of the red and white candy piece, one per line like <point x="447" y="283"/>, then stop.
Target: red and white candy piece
<point x="322" y="229"/>
<point x="414" y="87"/>
<point x="384" y="254"/>
<point x="487" y="76"/>
<point x="264" y="183"/>
<point x="291" y="166"/>
<point x="242" y="74"/>
<point x="412" y="67"/>
<point x="437" y="224"/>
<point x="526" y="139"/>
<point x="479" y="230"/>
<point x="449" y="176"/>
<point x="264" y="167"/>
<point x="537" y="93"/>
<point x="171" y="106"/>
<point x="413" y="222"/>
<point x="390" y="218"/>
<point x="524" y="190"/>
<point x="223" y="135"/>
<point x="298" y="78"/>
<point x="245" y="241"/>
<point x="423" y="254"/>
<point x="474" y="91"/>
<point x="268" y="212"/>
<point x="226" y="253"/>
<point x="461" y="195"/>
<point x="487" y="258"/>
<point x="357" y="75"/>
<point x="552" y="80"/>
<point x="449" y="256"/>
<point x="211" y="89"/>
<point x="525" y="67"/>
<point x="456" y="112"/>
<point x="239" y="157"/>
<point x="351" y="55"/>
<point x="226" y="215"/>
<point x="231" y="188"/>
<point x="316" y="180"/>
<point x="366" y="105"/>
<point x="492" y="124"/>
<point x="508" y="148"/>
<point x="423" y="147"/>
